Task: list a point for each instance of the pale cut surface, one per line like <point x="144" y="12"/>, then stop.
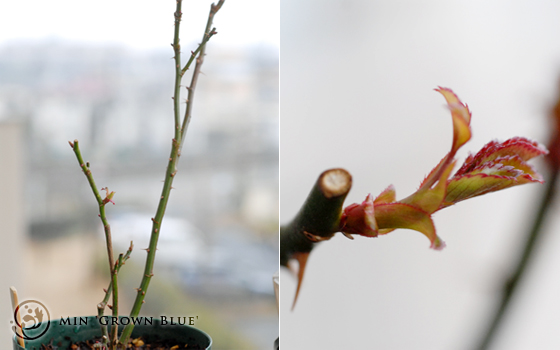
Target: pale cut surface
<point x="335" y="182"/>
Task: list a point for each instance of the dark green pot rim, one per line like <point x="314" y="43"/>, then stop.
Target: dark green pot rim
<point x="89" y="328"/>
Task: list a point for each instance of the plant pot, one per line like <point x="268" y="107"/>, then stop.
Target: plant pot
<point x="66" y="334"/>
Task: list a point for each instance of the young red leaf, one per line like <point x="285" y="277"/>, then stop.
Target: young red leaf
<point x="401" y="215"/>
<point x="388" y="195"/>
<point x="360" y="218"/>
<point x="497" y="166"/>
<point x="461" y="118"/>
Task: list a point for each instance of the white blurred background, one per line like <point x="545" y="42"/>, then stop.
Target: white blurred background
<point x="103" y="73"/>
<point x="357" y="80"/>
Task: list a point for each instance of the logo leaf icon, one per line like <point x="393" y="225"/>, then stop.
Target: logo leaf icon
<point x="39" y="315"/>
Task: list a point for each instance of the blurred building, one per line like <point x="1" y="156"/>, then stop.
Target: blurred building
<point x="220" y="235"/>
<point x="117" y="103"/>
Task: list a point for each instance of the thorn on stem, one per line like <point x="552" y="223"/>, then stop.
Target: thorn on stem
<point x="105" y="290"/>
<point x="347" y="235"/>
<point x="315" y="238"/>
<point x="71" y="144"/>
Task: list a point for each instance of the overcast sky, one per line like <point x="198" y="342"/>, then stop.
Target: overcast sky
<point x="138" y="23"/>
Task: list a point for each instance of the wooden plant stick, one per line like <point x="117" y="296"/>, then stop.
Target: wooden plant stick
<point x="176" y="146"/>
<point x="318" y="219"/>
<point x="15" y="303"/>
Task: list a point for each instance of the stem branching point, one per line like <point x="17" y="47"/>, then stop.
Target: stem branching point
<point x="180" y="129"/>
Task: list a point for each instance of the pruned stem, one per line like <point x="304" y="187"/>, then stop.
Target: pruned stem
<point x="317" y="220"/>
<point x="106" y="227"/>
<point x="319" y="217"/>
<point x="177" y="142"/>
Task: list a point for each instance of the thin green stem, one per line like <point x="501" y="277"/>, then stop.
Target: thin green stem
<point x="151" y="250"/>
<point x="170" y="172"/>
<point x="512" y="283"/>
<point x="119" y="265"/>
<point x="200" y="47"/>
<point x="106" y="227"/>
<point x="201" y="51"/>
<point x="108" y="292"/>
<point x="85" y="169"/>
<point x="115" y="306"/>
<point x="178" y="73"/>
<point x="100" y="313"/>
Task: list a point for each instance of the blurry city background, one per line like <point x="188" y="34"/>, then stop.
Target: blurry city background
<point x="219" y="244"/>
